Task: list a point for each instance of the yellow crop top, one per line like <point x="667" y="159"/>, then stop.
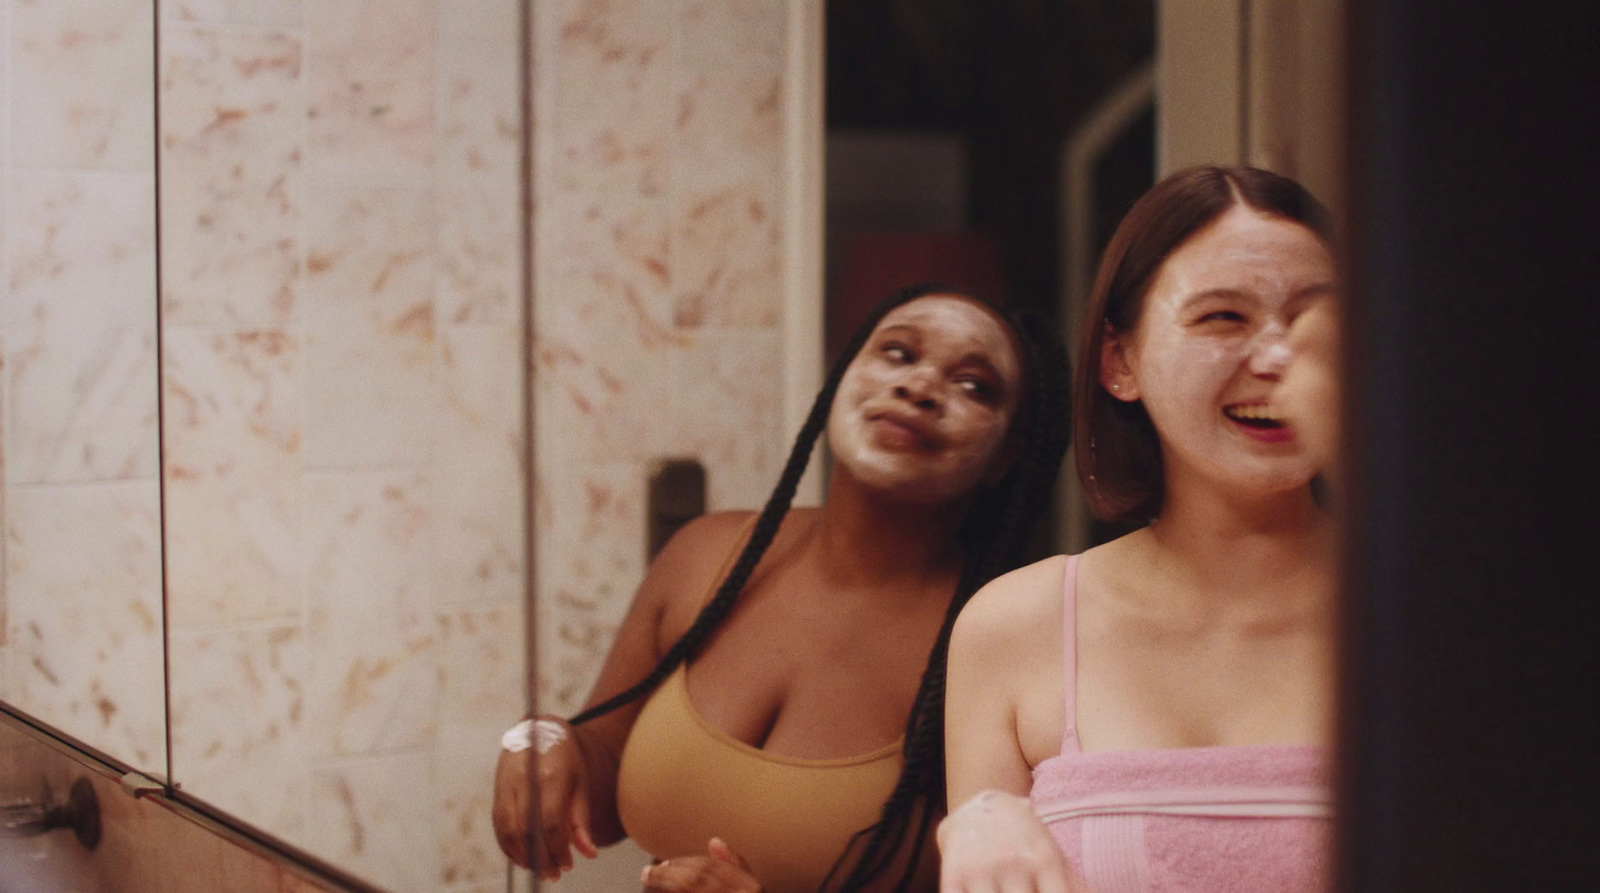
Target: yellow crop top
<point x="681" y="781"/>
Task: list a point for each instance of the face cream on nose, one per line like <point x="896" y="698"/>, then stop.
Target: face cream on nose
<point x="1277" y="354"/>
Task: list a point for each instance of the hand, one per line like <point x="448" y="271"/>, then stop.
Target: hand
<point x="1308" y="392"/>
<point x="720" y="869"/>
<point x="994" y="842"/>
<point x="563" y="807"/>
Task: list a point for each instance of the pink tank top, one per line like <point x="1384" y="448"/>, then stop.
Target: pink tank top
<point x="1196" y="820"/>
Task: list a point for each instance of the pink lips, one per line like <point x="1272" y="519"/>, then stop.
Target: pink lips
<point x="1284" y="434"/>
<point x="1263" y="427"/>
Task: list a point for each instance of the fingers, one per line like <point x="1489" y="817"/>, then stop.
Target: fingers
<point x="994" y="843"/>
<point x="556" y="789"/>
<point x="511" y="809"/>
<point x="1014" y="876"/>
<point x="582" y="837"/>
<point x="553" y="847"/>
<point x="698" y="874"/>
<point x="719" y="850"/>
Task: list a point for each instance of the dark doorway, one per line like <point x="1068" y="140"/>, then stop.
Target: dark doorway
<point x="946" y="123"/>
<point x="955" y="113"/>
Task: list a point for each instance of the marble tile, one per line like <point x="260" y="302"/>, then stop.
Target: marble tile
<point x="732" y="391"/>
<point x="603" y="354"/>
<point x="727" y="250"/>
<point x="480" y="23"/>
<point x="479" y="162"/>
<point x="372" y="684"/>
<point x="232" y="115"/>
<point x="625" y="238"/>
<point x="482" y="680"/>
<point x="481" y="665"/>
<point x="478" y="539"/>
<point x="592" y="523"/>
<point x="479" y="250"/>
<point x="369" y="399"/>
<point x="5" y="119"/>
<point x="81" y="84"/>
<point x="239" y="724"/>
<point x="83" y="584"/>
<point x="613" y="96"/>
<point x="80" y="328"/>
<point x="478" y="68"/>
<point x="376" y="818"/>
<point x="728" y="163"/>
<point x="234" y="12"/>
<point x="370" y="257"/>
<point x="4" y="388"/>
<point x="732" y="57"/>
<point x="372" y="353"/>
<point x="233" y="453"/>
<point x="5" y="302"/>
<point x="369" y="70"/>
<point x="478" y="140"/>
<point x="605" y="333"/>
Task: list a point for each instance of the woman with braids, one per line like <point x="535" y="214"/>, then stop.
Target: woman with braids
<point x="770" y="717"/>
<point x="1163" y="703"/>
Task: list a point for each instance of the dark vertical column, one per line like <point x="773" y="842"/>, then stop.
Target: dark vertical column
<point x="1468" y="760"/>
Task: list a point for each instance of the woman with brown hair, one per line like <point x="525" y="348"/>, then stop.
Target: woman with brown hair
<point x="770" y="716"/>
<point x="1164" y="701"/>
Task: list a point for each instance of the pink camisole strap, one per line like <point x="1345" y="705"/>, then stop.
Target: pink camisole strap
<point x="1069" y="655"/>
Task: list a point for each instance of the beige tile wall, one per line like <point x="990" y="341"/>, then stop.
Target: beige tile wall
<point x="342" y="340"/>
<point x="343" y="331"/>
<point x="342" y="337"/>
<point x="673" y="303"/>
<point x="80" y="587"/>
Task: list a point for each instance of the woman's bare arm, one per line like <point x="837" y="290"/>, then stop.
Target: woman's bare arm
<point x="675" y="587"/>
<point x="577" y="776"/>
<point x="1001" y="651"/>
<point x="1000" y="656"/>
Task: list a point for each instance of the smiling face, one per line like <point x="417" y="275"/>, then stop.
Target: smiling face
<point x="923" y="410"/>
<point x="1210" y="347"/>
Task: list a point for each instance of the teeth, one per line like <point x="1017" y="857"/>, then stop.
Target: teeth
<point x="1255" y="411"/>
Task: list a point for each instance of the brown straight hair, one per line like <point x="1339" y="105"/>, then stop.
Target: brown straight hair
<point x="1118" y="452"/>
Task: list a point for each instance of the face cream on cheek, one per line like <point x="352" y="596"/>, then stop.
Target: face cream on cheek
<point x="1178" y="372"/>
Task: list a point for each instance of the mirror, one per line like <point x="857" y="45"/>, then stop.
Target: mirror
<point x="340" y="442"/>
<point x="337" y="448"/>
<point x="343" y="426"/>
<point x="80" y="648"/>
<point x="621" y="299"/>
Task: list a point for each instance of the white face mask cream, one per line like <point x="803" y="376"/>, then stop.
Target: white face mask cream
<point x="1212" y="343"/>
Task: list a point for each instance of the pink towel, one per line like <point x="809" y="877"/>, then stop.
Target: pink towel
<point x="1194" y="820"/>
<point x="1225" y="819"/>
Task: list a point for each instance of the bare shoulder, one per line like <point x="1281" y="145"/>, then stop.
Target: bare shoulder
<point x="1005" y="674"/>
<point x="686" y="565"/>
<point x="710" y="535"/>
<point x="1015" y="607"/>
<point x="684" y="574"/>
